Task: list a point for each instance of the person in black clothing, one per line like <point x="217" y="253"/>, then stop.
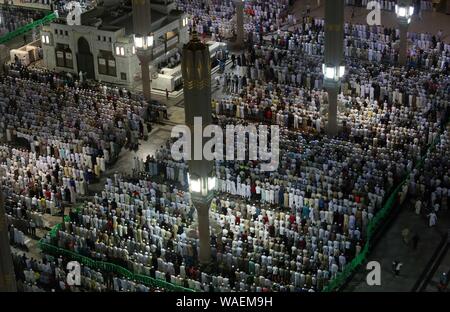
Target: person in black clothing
<point x="113" y="205"/>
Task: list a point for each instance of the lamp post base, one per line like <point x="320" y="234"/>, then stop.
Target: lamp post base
<point x="202" y="206"/>
<point x="332" y="88"/>
<point x="403" y="47"/>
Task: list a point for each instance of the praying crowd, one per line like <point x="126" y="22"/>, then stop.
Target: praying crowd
<point x="293" y="229"/>
<point x="275" y="83"/>
<point x="216" y="18"/>
<point x="59" y="135"/>
<point x="50" y="275"/>
<point x="13" y="18"/>
<point x="430" y="187"/>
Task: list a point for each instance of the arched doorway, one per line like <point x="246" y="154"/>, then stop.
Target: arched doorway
<point x="85" y="59"/>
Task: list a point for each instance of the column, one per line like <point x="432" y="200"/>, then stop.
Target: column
<point x="7" y="276"/>
<point x="142" y="26"/>
<point x="145" y="73"/>
<point x="240" y="23"/>
<point x="332" y="129"/>
<point x="203" y="231"/>
<point x="403" y="47"/>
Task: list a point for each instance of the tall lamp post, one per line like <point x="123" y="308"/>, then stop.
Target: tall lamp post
<point x="239" y="23"/>
<point x="404" y="11"/>
<point x="333" y="68"/>
<point x="143" y="41"/>
<point x="143" y="45"/>
<point x="196" y="71"/>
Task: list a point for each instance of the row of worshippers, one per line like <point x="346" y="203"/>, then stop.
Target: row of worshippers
<point x="43" y="184"/>
<point x="215" y="18"/>
<point x="33" y="111"/>
<point x="12" y="18"/>
<point x="33" y="275"/>
<point x="362" y="81"/>
<point x="16" y="237"/>
<point x="96" y="137"/>
<point x="298" y="108"/>
<point x="247" y="182"/>
<point x="367" y="42"/>
<point x="429" y="187"/>
<point x="363" y="41"/>
<point x="72" y="80"/>
<point x="389" y="178"/>
<point x="161" y="166"/>
<point x="27" y="220"/>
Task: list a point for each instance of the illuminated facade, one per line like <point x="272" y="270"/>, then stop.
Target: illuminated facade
<point x="102" y="46"/>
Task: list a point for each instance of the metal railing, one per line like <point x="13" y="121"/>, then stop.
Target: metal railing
<point x="105" y="266"/>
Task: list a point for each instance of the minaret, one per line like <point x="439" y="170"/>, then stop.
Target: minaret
<point x="7" y="276"/>
<point x="196" y="71"/>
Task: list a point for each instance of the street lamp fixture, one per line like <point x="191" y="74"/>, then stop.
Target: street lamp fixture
<point x="143" y="42"/>
<point x="404" y="11"/>
<point x="333" y="72"/>
<point x="202" y="186"/>
<point x="143" y="45"/>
